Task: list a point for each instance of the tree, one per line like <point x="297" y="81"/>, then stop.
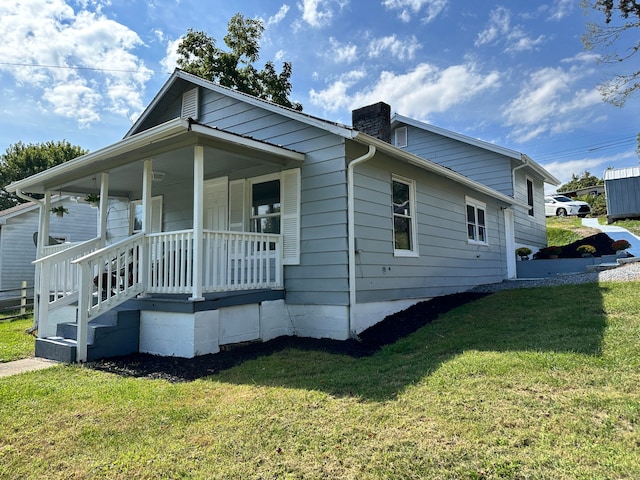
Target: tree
<point x="21" y="161"/>
<point x="199" y="55"/>
<point x="582" y="181"/>
<point x="615" y="35"/>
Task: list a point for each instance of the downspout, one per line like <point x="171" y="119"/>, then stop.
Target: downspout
<point x="513" y="175"/>
<point x="351" y="232"/>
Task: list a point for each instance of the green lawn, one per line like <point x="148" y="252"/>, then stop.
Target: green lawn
<point x="531" y="383"/>
<point x="15" y="343"/>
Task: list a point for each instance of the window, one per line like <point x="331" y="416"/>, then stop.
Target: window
<point x="401" y="137"/>
<point x="476" y="221"/>
<point x="530" y="196"/>
<point x="265" y="206"/>
<point x="137" y="214"/>
<point x="404" y="218"/>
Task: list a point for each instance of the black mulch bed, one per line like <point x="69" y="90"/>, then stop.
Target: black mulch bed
<point x="386" y="332"/>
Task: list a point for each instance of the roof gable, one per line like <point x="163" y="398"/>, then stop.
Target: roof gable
<point x="396" y="120"/>
<point x="181" y="81"/>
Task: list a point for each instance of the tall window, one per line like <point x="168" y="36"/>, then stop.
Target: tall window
<point x="530" y="196"/>
<point x="265" y="207"/>
<point x="404" y="241"/>
<point x="476" y="221"/>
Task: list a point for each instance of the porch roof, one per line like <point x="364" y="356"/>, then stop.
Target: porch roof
<point x="170" y="145"/>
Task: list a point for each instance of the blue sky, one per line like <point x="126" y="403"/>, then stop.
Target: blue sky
<point x="513" y="73"/>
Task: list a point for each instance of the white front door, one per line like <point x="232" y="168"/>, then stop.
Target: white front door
<point x="216" y="204"/>
<point x="216" y="214"/>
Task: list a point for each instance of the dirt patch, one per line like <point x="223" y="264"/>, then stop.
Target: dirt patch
<point x="386" y="332"/>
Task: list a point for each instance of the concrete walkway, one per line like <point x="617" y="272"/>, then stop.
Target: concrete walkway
<point x="25" y="365"/>
<point x="617" y="233"/>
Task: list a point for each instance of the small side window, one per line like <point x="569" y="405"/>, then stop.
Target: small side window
<point x="404" y="217"/>
<point x="530" y="196"/>
<point x="401" y="137"/>
<point x="476" y="221"/>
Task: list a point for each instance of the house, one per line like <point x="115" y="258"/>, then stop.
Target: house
<point x="507" y="171"/>
<point x="225" y="219"/>
<point x="622" y="190"/>
<point x="18" y="231"/>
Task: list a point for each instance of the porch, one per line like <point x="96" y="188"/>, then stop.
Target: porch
<point x="163" y="273"/>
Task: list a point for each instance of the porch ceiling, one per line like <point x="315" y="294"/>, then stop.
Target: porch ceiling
<point x="171" y="147"/>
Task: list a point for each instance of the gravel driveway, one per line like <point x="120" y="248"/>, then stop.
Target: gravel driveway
<point x="624" y="273"/>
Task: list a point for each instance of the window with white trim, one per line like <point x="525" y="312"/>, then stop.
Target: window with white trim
<point x="476" y="221"/>
<point x="530" y="196"/>
<point x="265" y="205"/>
<point x="404" y="217"/>
<point x="401" y="137"/>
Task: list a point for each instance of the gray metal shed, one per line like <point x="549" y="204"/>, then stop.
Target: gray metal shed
<point x="622" y="188"/>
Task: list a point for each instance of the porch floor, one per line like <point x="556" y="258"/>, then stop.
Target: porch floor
<point x="181" y="303"/>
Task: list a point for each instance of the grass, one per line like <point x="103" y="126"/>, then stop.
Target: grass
<point x="15" y="343"/>
<point x="632" y="225"/>
<point x="566" y="230"/>
<point x="499" y="388"/>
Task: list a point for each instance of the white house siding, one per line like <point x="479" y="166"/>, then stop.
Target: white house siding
<point x="484" y="166"/>
<point x="18" y="250"/>
<point x="446" y="263"/>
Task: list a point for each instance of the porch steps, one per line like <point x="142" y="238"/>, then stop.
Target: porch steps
<point x="112" y="334"/>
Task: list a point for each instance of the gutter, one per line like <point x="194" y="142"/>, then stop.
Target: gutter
<point x="351" y="233"/>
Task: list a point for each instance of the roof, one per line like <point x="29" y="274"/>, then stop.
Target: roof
<point x="138" y="145"/>
<point x="619" y="173"/>
<point x="492" y="147"/>
<point x="436" y="168"/>
<point x="144" y="145"/>
<point x="334" y="127"/>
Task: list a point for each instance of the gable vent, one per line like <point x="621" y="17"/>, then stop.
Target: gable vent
<point x="190" y="104"/>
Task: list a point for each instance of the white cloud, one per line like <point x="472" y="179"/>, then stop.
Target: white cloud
<point x="546" y="104"/>
<point x="424" y="90"/>
<point x="86" y="63"/>
<point x="499" y="27"/>
<point x="563" y="170"/>
<point x="394" y="47"/>
<point x="499" y="23"/>
<point x="561" y="9"/>
<point x="279" y="16"/>
<point x="320" y="13"/>
<point x="408" y="8"/>
<point x="170" y="60"/>
<point x="342" y="53"/>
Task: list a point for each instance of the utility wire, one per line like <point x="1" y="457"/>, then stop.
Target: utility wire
<point x="67" y="67"/>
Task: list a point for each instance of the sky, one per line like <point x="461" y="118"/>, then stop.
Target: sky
<point x="512" y="73"/>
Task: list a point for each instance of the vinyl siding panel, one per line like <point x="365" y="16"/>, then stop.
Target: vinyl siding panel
<point x="447" y="262"/>
<point x="489" y="168"/>
<point x="530" y="230"/>
<point x="623" y="197"/>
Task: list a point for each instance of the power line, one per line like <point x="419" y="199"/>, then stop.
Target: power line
<point x="67" y="67"/>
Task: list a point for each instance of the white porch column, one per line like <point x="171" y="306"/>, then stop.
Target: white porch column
<point x="104" y="200"/>
<point x="198" y="220"/>
<point x="44" y="220"/>
<point x="144" y="263"/>
<point x="40" y="288"/>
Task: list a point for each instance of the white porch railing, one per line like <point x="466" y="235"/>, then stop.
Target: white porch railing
<point x="231" y="261"/>
<point x="51" y="249"/>
<point x="101" y="279"/>
<point x="59" y="277"/>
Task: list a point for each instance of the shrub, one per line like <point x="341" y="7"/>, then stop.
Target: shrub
<point x="523" y="251"/>
<point x="620" y="245"/>
<point x="586" y="249"/>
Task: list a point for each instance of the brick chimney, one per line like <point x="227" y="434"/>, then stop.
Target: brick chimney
<point x="374" y="120"/>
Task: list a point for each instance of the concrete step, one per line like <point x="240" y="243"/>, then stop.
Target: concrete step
<point x="110" y="335"/>
<point x="56" y="348"/>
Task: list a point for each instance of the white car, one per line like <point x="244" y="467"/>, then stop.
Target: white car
<point x="561" y="206"/>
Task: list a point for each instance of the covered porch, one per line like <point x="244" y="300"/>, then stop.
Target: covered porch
<point x="184" y="210"/>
